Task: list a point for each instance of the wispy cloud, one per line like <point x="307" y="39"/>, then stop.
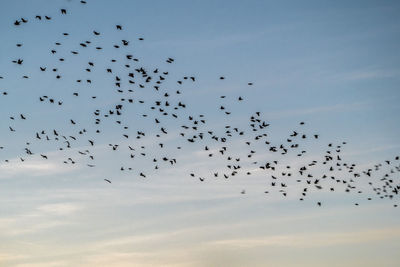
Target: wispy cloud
<point x="33" y="168"/>
<point x="222" y="40"/>
<point x="41" y="218"/>
<point x="317" y="110"/>
<point x="369" y="74"/>
<point x="59" y="208"/>
<point x="321" y="239"/>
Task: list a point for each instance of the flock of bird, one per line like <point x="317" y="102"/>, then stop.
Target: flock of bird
<point x="165" y="105"/>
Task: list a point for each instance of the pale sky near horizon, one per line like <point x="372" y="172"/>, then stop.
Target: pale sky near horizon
<point x="333" y="64"/>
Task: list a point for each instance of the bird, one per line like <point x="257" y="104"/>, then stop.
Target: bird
<point x="18" y="61"/>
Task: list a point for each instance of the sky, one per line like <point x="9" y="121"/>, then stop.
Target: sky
<point x="333" y="64"/>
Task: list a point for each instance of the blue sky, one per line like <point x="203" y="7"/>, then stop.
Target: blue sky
<point x="334" y="65"/>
